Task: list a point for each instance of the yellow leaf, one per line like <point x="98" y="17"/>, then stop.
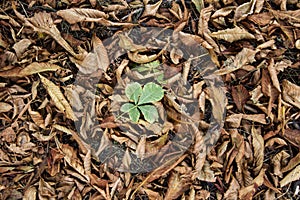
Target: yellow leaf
<point x="58" y="98"/>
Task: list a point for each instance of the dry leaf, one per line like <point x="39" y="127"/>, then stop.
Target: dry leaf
<point x="231" y="35"/>
<point x="273" y="75"/>
<point x="5" y="107"/>
<point x="58" y="98"/>
<point x="37" y="118"/>
<point x="30" y="193"/>
<point x="97" y="59"/>
<point x="291" y="93"/>
<point x="292" y="163"/>
<point x="21" y="46"/>
<point x="240" y="96"/>
<point x="244" y="10"/>
<point x="258" y="146"/>
<point x="30" y="69"/>
<point x="75" y="15"/>
<point x="293" y="136"/>
<point x="290" y="177"/>
<point x="151" y="9"/>
<point x="244" y="57"/>
<point x="177" y="185"/>
<point x="232" y="192"/>
<point x="42" y="22"/>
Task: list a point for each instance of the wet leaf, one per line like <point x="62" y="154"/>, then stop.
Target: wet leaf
<point x="231" y="35"/>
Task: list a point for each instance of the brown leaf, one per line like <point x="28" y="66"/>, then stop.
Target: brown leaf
<point x="292" y="163"/>
<point x="75" y="15"/>
<point x="293" y="136"/>
<point x="231" y="35"/>
<point x="30" y="193"/>
<point x="291" y="93"/>
<point x="5" y="107"/>
<point x="177" y="185"/>
<point x="58" y="98"/>
<point x="244" y="10"/>
<point x="273" y="75"/>
<point x="290" y="177"/>
<point x="258" y="146"/>
<point x="244" y="57"/>
<point x="240" y="96"/>
<point x="97" y="59"/>
<point x="30" y="69"/>
<point x="21" y="46"/>
<point x="151" y="9"/>
<point x="37" y="118"/>
<point x="8" y="135"/>
<point x="42" y="22"/>
<point x="232" y="192"/>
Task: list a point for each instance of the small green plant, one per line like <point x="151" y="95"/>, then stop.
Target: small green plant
<point x="142" y="98"/>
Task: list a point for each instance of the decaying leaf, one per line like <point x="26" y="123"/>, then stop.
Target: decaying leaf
<point x="231" y="35"/>
<point x="291" y="93"/>
<point x="58" y="98"/>
<point x="30" y="69"/>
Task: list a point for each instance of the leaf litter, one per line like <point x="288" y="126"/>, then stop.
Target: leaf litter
<point x="256" y="46"/>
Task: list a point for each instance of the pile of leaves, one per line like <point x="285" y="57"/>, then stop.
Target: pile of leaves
<point x="57" y="79"/>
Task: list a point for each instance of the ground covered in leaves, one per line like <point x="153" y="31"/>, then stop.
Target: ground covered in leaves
<point x="116" y="99"/>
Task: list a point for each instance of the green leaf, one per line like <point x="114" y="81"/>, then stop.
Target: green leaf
<point x="151" y="93"/>
<point x="150" y="113"/>
<point x="127" y="107"/>
<point x="134" y="114"/>
<point x="133" y="91"/>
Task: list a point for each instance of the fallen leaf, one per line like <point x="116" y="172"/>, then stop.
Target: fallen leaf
<point x="42" y="22"/>
<point x="231" y="35"/>
<point x="177" y="185"/>
<point x="240" y="96"/>
<point x="293" y="136"/>
<point x="58" y="98"/>
<point x="151" y="9"/>
<point x="244" y="57"/>
<point x="291" y="93"/>
<point x="5" y="107"/>
<point x="21" y="46"/>
<point x="258" y="146"/>
<point x="75" y="15"/>
<point x="290" y="177"/>
<point x="30" y="69"/>
<point x="244" y="10"/>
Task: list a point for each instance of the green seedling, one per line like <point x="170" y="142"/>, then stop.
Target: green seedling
<point x="142" y="98"/>
<point x="152" y="68"/>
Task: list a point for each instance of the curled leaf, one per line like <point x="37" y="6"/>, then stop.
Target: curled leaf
<point x="75" y="15"/>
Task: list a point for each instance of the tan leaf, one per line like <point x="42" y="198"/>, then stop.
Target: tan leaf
<point x="258" y="146"/>
<point x="75" y="15"/>
<point x="272" y="141"/>
<point x="290" y="177"/>
<point x="244" y="10"/>
<point x="273" y="75"/>
<point x="291" y="93"/>
<point x="177" y="185"/>
<point x="232" y="192"/>
<point x="240" y="96"/>
<point x="45" y="190"/>
<point x="97" y="59"/>
<point x="244" y="57"/>
<point x="292" y="163"/>
<point x="5" y="107"/>
<point x="260" y="118"/>
<point x="58" y="98"/>
<point x="231" y="35"/>
<point x="37" y="118"/>
<point x="30" y="193"/>
<point x="297" y="44"/>
<point x="42" y="22"/>
<point x="21" y="46"/>
<point x="151" y="9"/>
<point x="30" y="69"/>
